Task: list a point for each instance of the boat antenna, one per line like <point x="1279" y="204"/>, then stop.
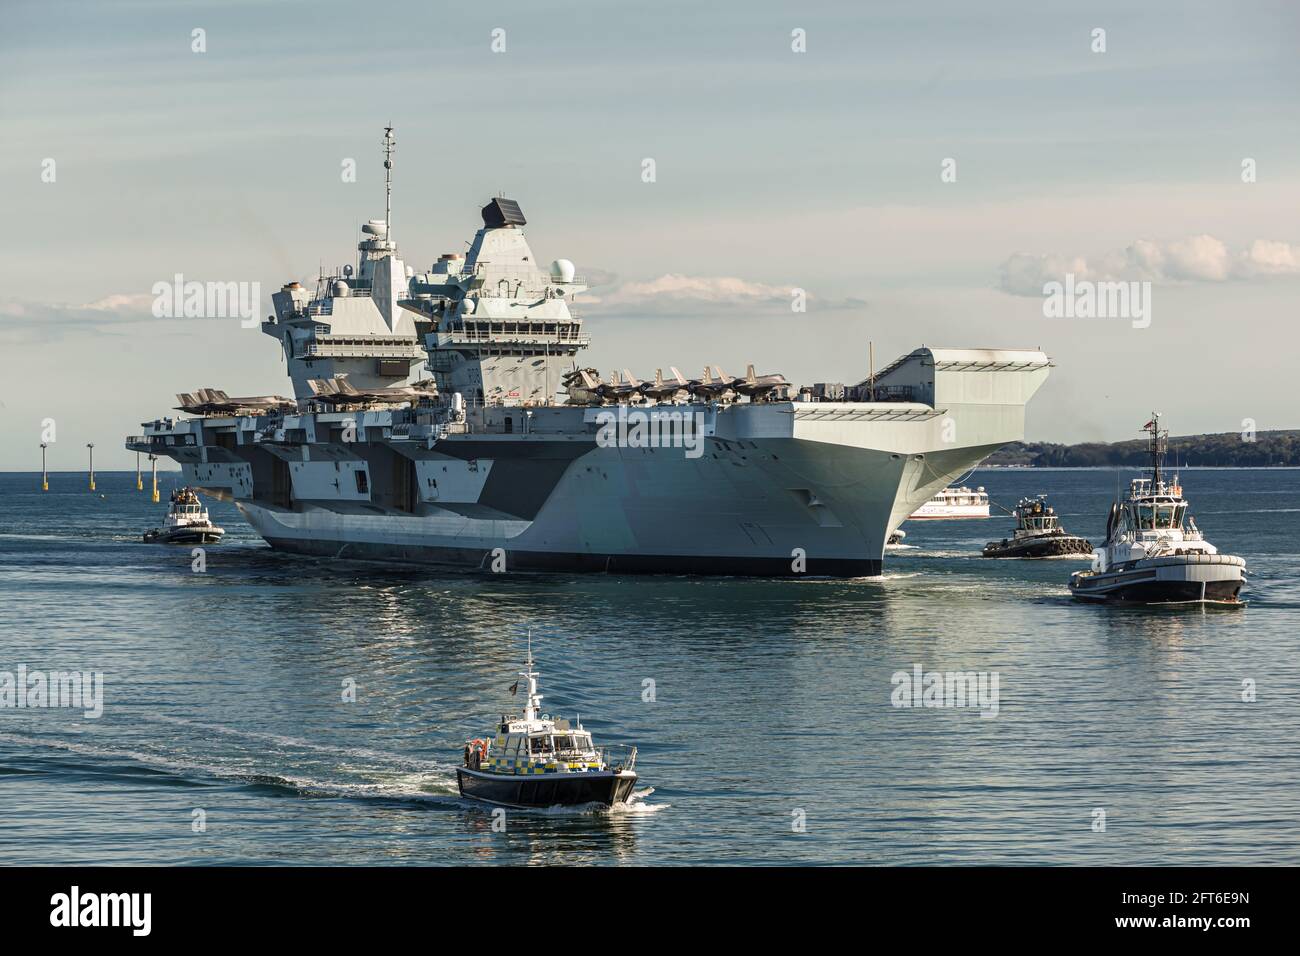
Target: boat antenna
<point x="534" y="701"/>
<point x="1156" y="446"/>
<point x="389" y="144"/>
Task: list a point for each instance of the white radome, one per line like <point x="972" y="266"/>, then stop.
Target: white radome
<point x="562" y="270"/>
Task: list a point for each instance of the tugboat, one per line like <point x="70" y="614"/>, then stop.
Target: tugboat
<point x="536" y="761"/>
<point x="1038" y="534"/>
<point x="1154" y="553"/>
<point x="187" y="522"/>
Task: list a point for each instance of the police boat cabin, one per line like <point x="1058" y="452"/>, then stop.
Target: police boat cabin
<point x="537" y="761"/>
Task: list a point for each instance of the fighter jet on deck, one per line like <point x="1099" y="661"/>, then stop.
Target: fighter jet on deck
<point x="759" y="388"/>
<point x="661" y="391"/>
<point x="213" y="401"/>
<point x="711" y="388"/>
<point x="338" y="391"/>
<point x="620" y="390"/>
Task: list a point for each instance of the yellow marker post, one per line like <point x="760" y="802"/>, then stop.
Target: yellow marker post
<point x="91" y="446"/>
<point x="154" y="462"/>
<point x="139" y="482"/>
<point x="45" y="478"/>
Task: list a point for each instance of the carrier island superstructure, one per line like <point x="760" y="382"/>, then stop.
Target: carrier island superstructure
<point x="443" y="417"/>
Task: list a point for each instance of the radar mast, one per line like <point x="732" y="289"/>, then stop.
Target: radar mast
<point x="389" y="145"/>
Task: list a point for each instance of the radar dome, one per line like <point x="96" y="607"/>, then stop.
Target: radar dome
<point x="468" y="306"/>
<point x="341" y="290"/>
<point x="375" y="227"/>
<point x="562" y="270"/>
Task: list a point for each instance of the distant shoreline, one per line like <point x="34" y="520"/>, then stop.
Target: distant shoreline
<point x="1278" y="448"/>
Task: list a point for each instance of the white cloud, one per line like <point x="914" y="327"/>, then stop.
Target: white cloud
<point x="687" y="295"/>
<point x="42" y="321"/>
<point x="1200" y="258"/>
<point x="1270" y="257"/>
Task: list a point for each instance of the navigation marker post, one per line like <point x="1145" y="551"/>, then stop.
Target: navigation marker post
<point x="91" y="446"/>
<point x="45" y="478"/>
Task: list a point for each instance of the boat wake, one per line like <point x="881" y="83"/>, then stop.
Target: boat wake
<point x="364" y="753"/>
<point x="432" y="784"/>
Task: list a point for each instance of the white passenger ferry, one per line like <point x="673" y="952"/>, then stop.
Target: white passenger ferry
<point x="954" y="503"/>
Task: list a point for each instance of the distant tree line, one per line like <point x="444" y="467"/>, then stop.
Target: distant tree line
<point x="1226" y="451"/>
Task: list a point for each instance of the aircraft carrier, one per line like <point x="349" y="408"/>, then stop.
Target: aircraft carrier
<point x="442" y="417"/>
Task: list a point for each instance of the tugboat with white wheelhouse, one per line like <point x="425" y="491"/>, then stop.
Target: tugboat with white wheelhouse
<point x="1038" y="534"/>
<point x="1154" y="553"/>
<point x="536" y="761"/>
<point x="187" y="522"/>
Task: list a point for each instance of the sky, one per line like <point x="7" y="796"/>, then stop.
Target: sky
<point x="921" y="170"/>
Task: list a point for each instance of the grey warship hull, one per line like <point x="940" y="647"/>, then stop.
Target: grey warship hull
<point x="777" y="489"/>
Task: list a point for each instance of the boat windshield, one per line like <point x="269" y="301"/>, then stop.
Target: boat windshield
<point x="544" y="743"/>
<point x="1157" y="517"/>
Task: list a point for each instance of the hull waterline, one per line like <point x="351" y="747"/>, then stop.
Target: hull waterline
<point x="525" y="791"/>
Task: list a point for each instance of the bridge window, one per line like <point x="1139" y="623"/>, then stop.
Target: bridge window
<point x="363" y="481"/>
